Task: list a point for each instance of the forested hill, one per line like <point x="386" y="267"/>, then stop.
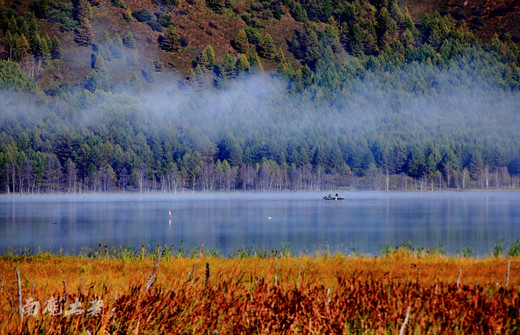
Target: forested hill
<point x="258" y="95"/>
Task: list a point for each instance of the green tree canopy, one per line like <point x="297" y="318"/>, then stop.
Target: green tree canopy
<point x="13" y="78"/>
<point x="171" y="40"/>
<point x="241" y="43"/>
<point x="266" y="48"/>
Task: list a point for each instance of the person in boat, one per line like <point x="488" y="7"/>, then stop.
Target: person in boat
<point x="336" y="196"/>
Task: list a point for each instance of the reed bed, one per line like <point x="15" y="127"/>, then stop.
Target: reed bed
<point x="156" y="292"/>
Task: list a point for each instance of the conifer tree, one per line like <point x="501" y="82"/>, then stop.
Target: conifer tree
<point x="98" y="63"/>
<point x="388" y="27"/>
<point x="267" y="48"/>
<point x="12" y="77"/>
<point x="41" y="8"/>
<point x="98" y="80"/>
<point x="17" y="46"/>
<point x="306" y="75"/>
<point x="216" y="5"/>
<point x="344" y="33"/>
<point x="116" y="47"/>
<point x="22" y="46"/>
<point x="83" y="14"/>
<point x="299" y="13"/>
<point x="241" y="43"/>
<point x="242" y="64"/>
<point x="285" y="70"/>
<point x="170" y="40"/>
<point x="228" y="65"/>
<point x="35" y="43"/>
<point x="24" y="29"/>
<point x="254" y="62"/>
<point x="55" y="48"/>
<point x="46" y="52"/>
<point x="30" y="23"/>
<point x="280" y="56"/>
<point x="105" y="52"/>
<point x="408" y="21"/>
<point x="132" y="59"/>
<point x="40" y="47"/>
<point x="134" y="84"/>
<point x="371" y="42"/>
<point x="210" y="56"/>
<point x="128" y="40"/>
<point x="199" y="76"/>
<point x="104" y="38"/>
<point x="12" y="25"/>
<point x="357" y="40"/>
<point x="407" y="39"/>
<point x="313" y="49"/>
<point x="206" y="59"/>
<point x="9" y="43"/>
<point x="127" y="15"/>
<point x="202" y="61"/>
<point x="425" y="27"/>
<point x="476" y="165"/>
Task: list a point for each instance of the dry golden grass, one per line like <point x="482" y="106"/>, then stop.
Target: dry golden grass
<point x="266" y="295"/>
<point x="47" y="273"/>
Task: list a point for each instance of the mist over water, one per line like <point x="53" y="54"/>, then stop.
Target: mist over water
<point x="363" y="223"/>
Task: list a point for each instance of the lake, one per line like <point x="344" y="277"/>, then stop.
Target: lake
<point x="363" y="223"/>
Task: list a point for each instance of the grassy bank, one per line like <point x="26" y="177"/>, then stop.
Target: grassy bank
<point x="252" y="294"/>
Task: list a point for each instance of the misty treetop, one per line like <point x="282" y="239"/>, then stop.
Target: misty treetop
<point x="357" y="96"/>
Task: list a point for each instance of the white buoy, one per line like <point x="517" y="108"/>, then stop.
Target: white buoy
<point x="269" y="218"/>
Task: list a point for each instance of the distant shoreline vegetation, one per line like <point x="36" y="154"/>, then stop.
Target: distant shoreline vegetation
<point x="500" y="249"/>
<point x="255" y="179"/>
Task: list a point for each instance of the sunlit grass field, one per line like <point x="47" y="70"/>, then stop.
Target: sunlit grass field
<point x="404" y="290"/>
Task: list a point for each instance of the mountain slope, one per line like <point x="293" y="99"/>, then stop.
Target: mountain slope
<point x="199" y="26"/>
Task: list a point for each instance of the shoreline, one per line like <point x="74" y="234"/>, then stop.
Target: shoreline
<point x="341" y="190"/>
<point x="500" y="249"/>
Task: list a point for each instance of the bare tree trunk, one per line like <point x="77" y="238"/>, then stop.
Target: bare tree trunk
<point x="486" y="176"/>
<point x="71" y="176"/>
<point x="13" y="176"/>
<point x="141" y="174"/>
<point x="464" y="178"/>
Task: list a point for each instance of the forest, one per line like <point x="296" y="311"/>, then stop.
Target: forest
<point x="359" y="95"/>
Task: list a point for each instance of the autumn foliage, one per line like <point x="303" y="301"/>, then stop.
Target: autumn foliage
<point x="331" y="295"/>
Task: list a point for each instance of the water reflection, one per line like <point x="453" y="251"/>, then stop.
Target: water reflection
<point x="363" y="223"/>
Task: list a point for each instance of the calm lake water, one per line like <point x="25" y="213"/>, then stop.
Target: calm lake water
<point x="363" y="223"/>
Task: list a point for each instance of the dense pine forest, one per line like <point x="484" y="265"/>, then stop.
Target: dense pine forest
<point x="223" y="95"/>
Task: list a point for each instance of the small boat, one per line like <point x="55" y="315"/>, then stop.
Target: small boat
<point x="333" y="198"/>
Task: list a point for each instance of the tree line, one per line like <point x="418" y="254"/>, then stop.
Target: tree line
<point x="253" y="138"/>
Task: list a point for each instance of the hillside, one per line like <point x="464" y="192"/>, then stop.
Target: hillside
<point x="198" y="26"/>
<point x="484" y="17"/>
